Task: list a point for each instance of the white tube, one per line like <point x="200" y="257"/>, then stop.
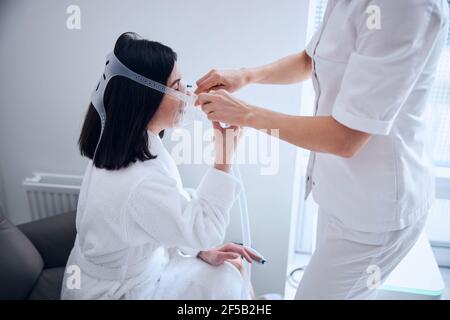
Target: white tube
<point x="246" y="232"/>
<point x="245" y="219"/>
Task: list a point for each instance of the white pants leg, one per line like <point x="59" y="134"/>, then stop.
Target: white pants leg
<point x="342" y="265"/>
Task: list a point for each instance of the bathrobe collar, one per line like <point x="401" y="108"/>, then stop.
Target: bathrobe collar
<point x="155" y="143"/>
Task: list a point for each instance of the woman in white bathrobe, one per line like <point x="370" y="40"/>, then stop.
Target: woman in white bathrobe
<point x="133" y="215"/>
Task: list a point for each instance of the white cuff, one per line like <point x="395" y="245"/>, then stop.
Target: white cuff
<point x="189" y="251"/>
<point x="219" y="188"/>
<point x="372" y="126"/>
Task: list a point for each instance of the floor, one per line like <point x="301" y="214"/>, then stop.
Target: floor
<point x="446" y="275"/>
<point x="302" y="260"/>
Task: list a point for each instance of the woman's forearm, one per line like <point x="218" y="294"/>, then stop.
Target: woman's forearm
<point x="320" y="134"/>
<point x="288" y="70"/>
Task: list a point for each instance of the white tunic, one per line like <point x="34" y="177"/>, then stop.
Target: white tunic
<point x="375" y="76"/>
<point x="130" y="222"/>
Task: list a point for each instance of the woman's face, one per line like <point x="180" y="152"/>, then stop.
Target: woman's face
<point x="170" y="110"/>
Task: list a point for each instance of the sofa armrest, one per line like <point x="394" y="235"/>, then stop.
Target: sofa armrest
<point x="20" y="262"/>
<point x="53" y="237"/>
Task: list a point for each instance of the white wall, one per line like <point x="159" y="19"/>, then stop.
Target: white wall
<point x="48" y="72"/>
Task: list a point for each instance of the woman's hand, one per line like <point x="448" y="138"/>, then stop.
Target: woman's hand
<point x="230" y="80"/>
<point x="222" y="106"/>
<point x="225" y="144"/>
<point x="228" y="252"/>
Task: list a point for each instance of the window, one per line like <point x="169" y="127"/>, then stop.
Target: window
<point x="438" y="225"/>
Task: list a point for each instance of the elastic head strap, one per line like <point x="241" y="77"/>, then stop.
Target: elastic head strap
<point x="114" y="67"/>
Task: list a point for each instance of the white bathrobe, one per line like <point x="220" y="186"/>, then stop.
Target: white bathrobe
<point x="130" y="224"/>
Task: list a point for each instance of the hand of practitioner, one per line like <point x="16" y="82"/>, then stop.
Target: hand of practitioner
<point x="230" y="80"/>
<point x="222" y="106"/>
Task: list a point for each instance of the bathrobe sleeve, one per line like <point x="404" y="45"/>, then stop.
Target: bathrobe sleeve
<point x="157" y="209"/>
<point x="192" y="193"/>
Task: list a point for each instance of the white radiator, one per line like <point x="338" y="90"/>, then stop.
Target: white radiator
<point x="50" y="194"/>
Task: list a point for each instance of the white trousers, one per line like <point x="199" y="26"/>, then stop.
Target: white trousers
<point x="349" y="264"/>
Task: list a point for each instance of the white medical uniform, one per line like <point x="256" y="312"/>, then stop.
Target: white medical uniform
<point x="130" y="223"/>
<point x="374" y="78"/>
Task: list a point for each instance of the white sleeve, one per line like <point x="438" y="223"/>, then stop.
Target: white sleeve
<point x="174" y="252"/>
<point x="160" y="211"/>
<point x="312" y="43"/>
<point x="192" y="193"/>
<point x="190" y="251"/>
<point x="386" y="63"/>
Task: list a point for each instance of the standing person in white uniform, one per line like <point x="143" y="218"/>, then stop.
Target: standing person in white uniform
<point x="370" y="169"/>
<point x="133" y="213"/>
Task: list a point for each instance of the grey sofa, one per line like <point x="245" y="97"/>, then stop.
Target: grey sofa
<point x="33" y="256"/>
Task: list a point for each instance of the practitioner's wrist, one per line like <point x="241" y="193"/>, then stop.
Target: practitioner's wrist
<point x="247" y="76"/>
<point x="252" y="118"/>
